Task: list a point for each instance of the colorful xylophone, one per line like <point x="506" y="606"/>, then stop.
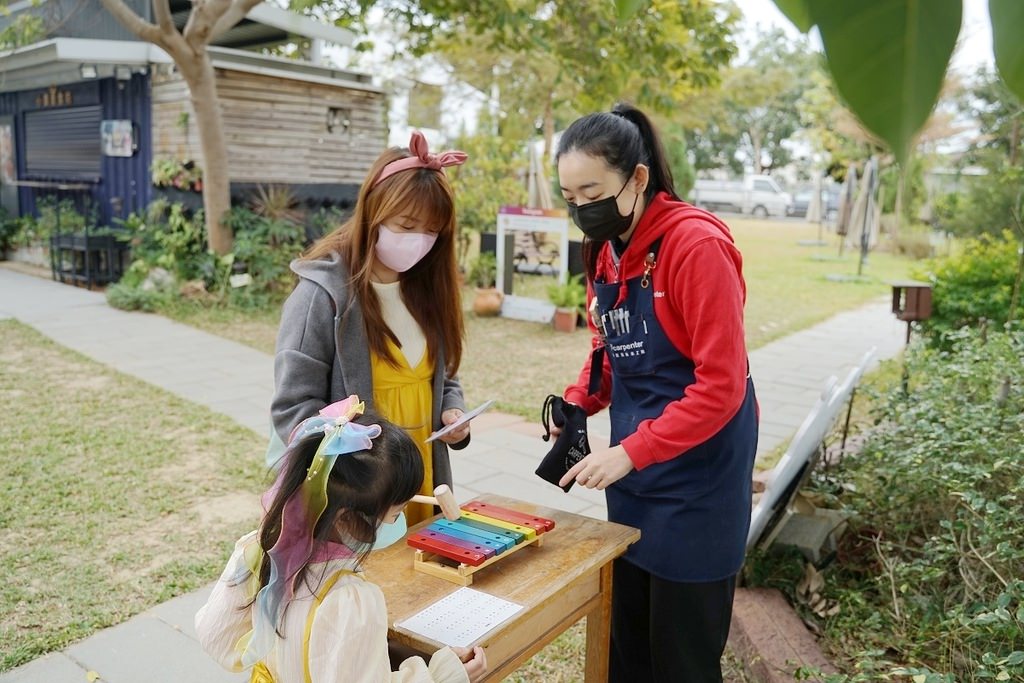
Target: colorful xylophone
<point x="482" y="535"/>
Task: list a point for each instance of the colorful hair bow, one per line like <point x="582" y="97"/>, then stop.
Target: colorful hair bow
<point x="300" y="515"/>
<point x="422" y="158"/>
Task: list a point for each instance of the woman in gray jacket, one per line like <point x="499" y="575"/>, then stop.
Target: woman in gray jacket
<point x="377" y="312"/>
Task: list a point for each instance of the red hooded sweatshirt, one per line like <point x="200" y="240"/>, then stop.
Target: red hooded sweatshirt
<point x="698" y="300"/>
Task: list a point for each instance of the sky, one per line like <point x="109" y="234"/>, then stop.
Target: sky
<point x="974" y="50"/>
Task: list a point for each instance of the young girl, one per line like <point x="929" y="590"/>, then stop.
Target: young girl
<point x="292" y="603"/>
<point x="670" y="365"/>
<point x="377" y="312"/>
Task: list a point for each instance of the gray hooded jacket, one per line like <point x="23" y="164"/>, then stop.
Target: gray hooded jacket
<point x="322" y="356"/>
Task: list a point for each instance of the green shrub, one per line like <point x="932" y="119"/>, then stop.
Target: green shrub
<point x="61" y="216"/>
<point x="571" y="294"/>
<point x="929" y="577"/>
<point x="914" y="241"/>
<point x="483" y="271"/>
<point x="914" y="192"/>
<point x="985" y="205"/>
<point x="130" y="297"/>
<point x="9" y="228"/>
<point x="167" y="236"/>
<point x="975" y="283"/>
<point x="490" y="180"/>
<point x="183" y="175"/>
<point x="263" y="248"/>
<point x="53" y="217"/>
<point x="325" y="220"/>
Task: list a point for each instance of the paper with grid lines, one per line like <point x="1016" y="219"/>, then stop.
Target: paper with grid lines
<point x="460" y="618"/>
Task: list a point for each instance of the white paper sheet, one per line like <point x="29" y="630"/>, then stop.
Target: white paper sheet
<point x="460" y="618"/>
<point x="463" y="419"/>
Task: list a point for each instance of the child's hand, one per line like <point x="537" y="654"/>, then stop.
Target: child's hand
<point x="449" y="416"/>
<point x="474" y="660"/>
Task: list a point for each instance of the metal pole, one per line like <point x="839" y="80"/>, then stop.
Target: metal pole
<point x="906" y="370"/>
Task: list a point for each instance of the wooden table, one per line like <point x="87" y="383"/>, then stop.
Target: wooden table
<point x="568" y="577"/>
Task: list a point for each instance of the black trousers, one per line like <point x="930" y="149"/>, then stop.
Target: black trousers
<point x="667" y="632"/>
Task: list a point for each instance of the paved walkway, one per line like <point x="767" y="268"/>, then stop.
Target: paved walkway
<point x="160" y="645"/>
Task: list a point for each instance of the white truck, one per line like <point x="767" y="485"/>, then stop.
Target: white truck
<point x="756" y="195"/>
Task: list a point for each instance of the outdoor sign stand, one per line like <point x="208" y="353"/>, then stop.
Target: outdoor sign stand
<point x="911" y="302"/>
<point x="513" y="218"/>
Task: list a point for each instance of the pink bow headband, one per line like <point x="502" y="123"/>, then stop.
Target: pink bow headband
<point x="422" y="158"/>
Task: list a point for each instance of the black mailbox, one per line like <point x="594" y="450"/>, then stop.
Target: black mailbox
<point x="912" y="300"/>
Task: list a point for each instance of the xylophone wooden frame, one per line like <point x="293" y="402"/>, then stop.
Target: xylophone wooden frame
<point x="445" y="568"/>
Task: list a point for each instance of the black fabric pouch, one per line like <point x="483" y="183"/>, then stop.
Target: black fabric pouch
<point x="570" y="446"/>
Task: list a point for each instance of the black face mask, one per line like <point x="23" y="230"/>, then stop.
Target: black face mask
<point x="601" y="220"/>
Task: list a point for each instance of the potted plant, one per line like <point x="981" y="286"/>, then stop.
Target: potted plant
<point x="483" y="272"/>
<point x="569" y="299"/>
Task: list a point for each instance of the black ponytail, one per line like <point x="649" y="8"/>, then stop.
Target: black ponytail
<point x="623" y="138"/>
<point x="657" y="161"/>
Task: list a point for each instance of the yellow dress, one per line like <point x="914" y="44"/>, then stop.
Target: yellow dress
<point x="404" y="395"/>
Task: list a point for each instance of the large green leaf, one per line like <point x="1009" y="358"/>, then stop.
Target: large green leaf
<point x="797" y="12"/>
<point x="625" y="9"/>
<point x="888" y="59"/>
<point x="1007" y="26"/>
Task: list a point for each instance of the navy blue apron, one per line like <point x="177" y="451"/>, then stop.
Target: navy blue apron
<point x="693" y="510"/>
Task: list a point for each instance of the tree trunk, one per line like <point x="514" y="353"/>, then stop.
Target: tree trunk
<point x="549" y="127"/>
<point x="755" y="145"/>
<point x="901" y="183"/>
<point x="202" y="86"/>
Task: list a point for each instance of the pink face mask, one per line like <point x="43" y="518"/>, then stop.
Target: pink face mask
<point x="400" y="250"/>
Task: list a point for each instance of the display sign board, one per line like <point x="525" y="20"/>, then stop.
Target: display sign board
<point x="512" y="218"/>
<point x="118" y="137"/>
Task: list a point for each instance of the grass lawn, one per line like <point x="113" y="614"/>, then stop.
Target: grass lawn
<point x="114" y="495"/>
<point x="789" y="286"/>
<point x="519" y="363"/>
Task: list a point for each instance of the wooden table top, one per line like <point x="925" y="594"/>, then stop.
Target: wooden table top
<point x="530" y="577"/>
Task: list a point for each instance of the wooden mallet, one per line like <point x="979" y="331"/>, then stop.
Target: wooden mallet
<point x="444" y="499"/>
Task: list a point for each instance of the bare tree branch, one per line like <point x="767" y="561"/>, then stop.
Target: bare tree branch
<point x="198" y="30"/>
<point x="162" y="12"/>
<point x="237" y="12"/>
<point x="170" y="38"/>
<point x="132" y="21"/>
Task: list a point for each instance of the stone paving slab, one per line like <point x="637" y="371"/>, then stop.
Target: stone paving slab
<point x="179" y="613"/>
<point x="55" y="667"/>
<point x="146" y="648"/>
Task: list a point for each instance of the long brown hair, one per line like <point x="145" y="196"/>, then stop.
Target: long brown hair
<point x="430" y="288"/>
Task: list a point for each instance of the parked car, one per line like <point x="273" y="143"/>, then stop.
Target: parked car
<point x="756" y="195"/>
<point x="802" y="202"/>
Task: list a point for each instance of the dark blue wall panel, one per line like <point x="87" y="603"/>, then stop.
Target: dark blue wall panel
<point x="124" y="184"/>
<point x="126" y="179"/>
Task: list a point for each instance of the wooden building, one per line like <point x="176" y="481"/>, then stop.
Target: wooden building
<point x="85" y="112"/>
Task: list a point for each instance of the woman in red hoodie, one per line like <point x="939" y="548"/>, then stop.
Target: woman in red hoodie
<point x="666" y="292"/>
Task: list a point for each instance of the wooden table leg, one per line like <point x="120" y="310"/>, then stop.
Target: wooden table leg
<point x="599" y="631"/>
